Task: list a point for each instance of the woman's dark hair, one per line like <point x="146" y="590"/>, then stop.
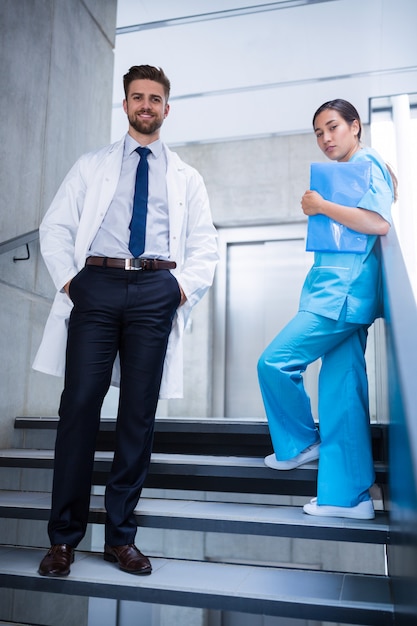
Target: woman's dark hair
<point x="138" y="72"/>
<point x="345" y="109"/>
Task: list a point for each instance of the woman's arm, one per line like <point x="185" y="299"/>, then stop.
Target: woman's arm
<point x="361" y="220"/>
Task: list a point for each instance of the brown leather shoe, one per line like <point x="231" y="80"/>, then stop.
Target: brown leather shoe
<point x="57" y="561"/>
<point x="130" y="559"/>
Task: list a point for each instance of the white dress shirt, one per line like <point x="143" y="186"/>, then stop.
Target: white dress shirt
<point x="112" y="239"/>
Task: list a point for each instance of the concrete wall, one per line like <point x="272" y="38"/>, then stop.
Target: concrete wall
<point x="255" y="181"/>
<point x="56" y="84"/>
<point x="56" y="81"/>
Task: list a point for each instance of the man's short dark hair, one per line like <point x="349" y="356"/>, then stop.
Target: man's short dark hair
<point x="149" y="72"/>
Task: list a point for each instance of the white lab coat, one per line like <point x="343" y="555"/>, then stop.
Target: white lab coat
<point x="72" y="222"/>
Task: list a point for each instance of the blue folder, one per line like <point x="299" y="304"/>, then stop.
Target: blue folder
<point x="342" y="183"/>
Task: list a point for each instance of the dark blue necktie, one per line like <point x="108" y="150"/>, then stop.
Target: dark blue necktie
<point x="140" y="205"/>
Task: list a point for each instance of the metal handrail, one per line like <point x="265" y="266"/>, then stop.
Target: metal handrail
<point x="401" y="332"/>
<point x="17" y="242"/>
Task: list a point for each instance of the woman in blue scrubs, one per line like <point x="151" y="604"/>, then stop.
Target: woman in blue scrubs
<point x="340" y="299"/>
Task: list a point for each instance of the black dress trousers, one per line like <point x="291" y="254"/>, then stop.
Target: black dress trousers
<point x="115" y="311"/>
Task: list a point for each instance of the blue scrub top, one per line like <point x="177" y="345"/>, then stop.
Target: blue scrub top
<point x="349" y="285"/>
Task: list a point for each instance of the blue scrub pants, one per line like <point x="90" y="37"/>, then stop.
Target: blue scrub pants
<point x="346" y="470"/>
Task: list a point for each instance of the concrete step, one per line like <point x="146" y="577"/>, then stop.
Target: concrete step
<point x="18" y="624"/>
<point x="197" y="472"/>
<point x="222" y="517"/>
<point x="192" y="435"/>
<point x="313" y="595"/>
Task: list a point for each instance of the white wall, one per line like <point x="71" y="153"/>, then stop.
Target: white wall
<point x="265" y="73"/>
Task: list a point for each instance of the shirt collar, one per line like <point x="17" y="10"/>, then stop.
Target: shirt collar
<point x="131" y="144"/>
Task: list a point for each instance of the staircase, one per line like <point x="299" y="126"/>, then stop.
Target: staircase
<point x="206" y="477"/>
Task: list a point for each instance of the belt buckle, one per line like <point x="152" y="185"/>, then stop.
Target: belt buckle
<point x="133" y="264"/>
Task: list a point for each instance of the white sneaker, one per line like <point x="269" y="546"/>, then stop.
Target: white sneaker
<point x="309" y="454"/>
<point x="363" y="510"/>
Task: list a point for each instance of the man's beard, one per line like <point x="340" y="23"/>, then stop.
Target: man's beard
<point x="145" y="128"/>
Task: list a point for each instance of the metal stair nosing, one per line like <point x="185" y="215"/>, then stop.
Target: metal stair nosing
<point x="197" y="472"/>
<point x="241" y="437"/>
<point x="216" y="517"/>
<point x="315" y="595"/>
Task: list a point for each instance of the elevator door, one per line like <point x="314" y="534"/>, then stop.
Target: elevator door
<point x="263" y="284"/>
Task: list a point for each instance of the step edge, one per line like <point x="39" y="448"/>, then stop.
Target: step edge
<point x="290" y="522"/>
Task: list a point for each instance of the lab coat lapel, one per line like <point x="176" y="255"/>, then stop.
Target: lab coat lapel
<point x="101" y="189"/>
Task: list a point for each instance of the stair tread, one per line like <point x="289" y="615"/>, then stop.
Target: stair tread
<point x="213" y="516"/>
<point x="162" y="462"/>
<point x="354" y="598"/>
<point x="212" y="463"/>
<point x="177" y="424"/>
<point x="214" y="436"/>
<point x="248" y="425"/>
<point x="197" y="472"/>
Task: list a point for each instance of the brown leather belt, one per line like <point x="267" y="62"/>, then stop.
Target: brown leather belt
<point x="131" y="264"/>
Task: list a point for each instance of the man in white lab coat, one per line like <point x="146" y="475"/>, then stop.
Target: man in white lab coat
<point x="118" y="315"/>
